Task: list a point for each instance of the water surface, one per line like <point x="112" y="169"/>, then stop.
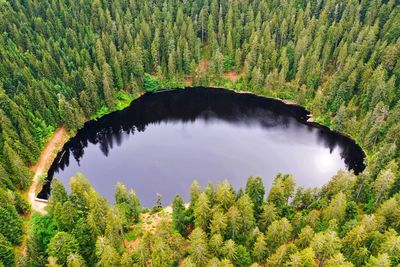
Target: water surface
<point x="163" y="141"/>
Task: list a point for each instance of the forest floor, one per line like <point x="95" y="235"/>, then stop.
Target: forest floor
<point x="148" y="223"/>
<point x="43" y="164"/>
<point x="233" y="76"/>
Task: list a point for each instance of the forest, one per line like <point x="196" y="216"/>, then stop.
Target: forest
<point x="66" y="62"/>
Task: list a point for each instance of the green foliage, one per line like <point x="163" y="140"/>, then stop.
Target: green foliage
<point x="320" y="234"/>
<point x="86" y="238"/>
<point x="107" y="255"/>
<point x="42" y="131"/>
<point x="21" y="204"/>
<point x="64" y="62"/>
<point x="128" y="202"/>
<point x="43" y="229"/>
<point x="229" y="63"/>
<point x="75" y="260"/>
<point x="6" y="252"/>
<point x="243" y="257"/>
<point x="325" y="244"/>
<point x="11" y="224"/>
<point x="202" y="211"/>
<point x="178" y="215"/>
<point x="123" y="100"/>
<point x="281" y="190"/>
<point x="198" y="249"/>
<point x="135" y="233"/>
<point x="61" y="246"/>
<point x="278" y="233"/>
<point x="171" y="83"/>
<point x="260" y="249"/>
<point x="101" y="112"/>
<point x="256" y="191"/>
<point x="150" y="83"/>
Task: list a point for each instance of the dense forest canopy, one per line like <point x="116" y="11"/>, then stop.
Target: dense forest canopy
<point x="64" y="62"/>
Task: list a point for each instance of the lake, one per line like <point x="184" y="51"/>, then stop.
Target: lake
<point x="163" y="141"/>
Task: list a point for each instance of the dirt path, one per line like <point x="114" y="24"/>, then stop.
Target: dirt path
<point x="232" y="76"/>
<point x="46" y="158"/>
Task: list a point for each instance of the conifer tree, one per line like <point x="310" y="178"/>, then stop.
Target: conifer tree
<point x="178" y="215"/>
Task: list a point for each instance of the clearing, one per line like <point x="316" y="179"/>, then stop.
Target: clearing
<point x="47" y="156"/>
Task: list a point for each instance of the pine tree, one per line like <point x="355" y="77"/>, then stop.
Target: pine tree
<point x="381" y="260"/>
<point x="278" y="233"/>
<point x="224" y="194"/>
<point x="256" y="191"/>
<point x="61" y="246"/>
<point x="68" y="114"/>
<point x="21" y="175"/>
<point x="337" y="260"/>
<point x="218" y="223"/>
<point x="198" y="249"/>
<point x="91" y="87"/>
<point x="305" y="237"/>
<point x="216" y="243"/>
<point x="269" y="214"/>
<point x="6" y="252"/>
<point x="106" y="254"/>
<point x="336" y="210"/>
<point x="178" y="215"/>
<point x="202" y="211"/>
<point x="172" y="64"/>
<point x="306" y="257"/>
<point x="246" y="216"/>
<point x="65" y="215"/>
<point x="155" y="49"/>
<point x="325" y="244"/>
<point x="229" y="250"/>
<point x="86" y="239"/>
<point x="382" y="185"/>
<point x="108" y="85"/>
<point x="281" y="190"/>
<point x="75" y="260"/>
<point x="260" y="250"/>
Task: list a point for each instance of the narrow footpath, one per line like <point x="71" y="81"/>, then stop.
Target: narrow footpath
<point x="43" y="164"/>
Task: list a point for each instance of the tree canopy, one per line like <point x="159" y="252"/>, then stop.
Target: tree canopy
<point x="65" y="62"/>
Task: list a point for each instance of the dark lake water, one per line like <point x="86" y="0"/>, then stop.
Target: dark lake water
<point x="163" y="141"/>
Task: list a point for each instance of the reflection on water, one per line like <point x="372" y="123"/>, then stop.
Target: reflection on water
<point x="163" y="141"/>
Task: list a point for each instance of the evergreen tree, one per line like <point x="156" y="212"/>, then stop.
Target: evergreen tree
<point x="11" y="224"/>
<point x="256" y="191"/>
<point x="61" y="246"/>
<point x="106" y="254"/>
<point x="62" y="61"/>
<point x="218" y="223"/>
<point x="6" y="252"/>
<point x="202" y="211"/>
<point x="278" y="233"/>
<point x="91" y="86"/>
<point x="75" y="260"/>
<point x="260" y="249"/>
<point x="224" y="195"/>
<point x="178" y="215"/>
<point x="325" y="244"/>
<point x="269" y="214"/>
<point x="305" y="257"/>
<point x="197" y="249"/>
<point x="108" y="85"/>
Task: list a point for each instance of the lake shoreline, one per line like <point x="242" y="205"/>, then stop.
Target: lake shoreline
<point x="46" y="158"/>
<point x="309" y="121"/>
<point x="299" y="113"/>
<point x="310" y="117"/>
